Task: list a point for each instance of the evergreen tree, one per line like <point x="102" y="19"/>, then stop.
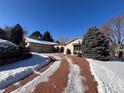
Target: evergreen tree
<point x="47" y="37"/>
<point x="95" y="45"/>
<point x="2" y="34"/>
<point x="8" y="33"/>
<point x="16" y="34"/>
<point x="36" y="35"/>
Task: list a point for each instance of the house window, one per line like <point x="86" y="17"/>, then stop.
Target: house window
<point x="77" y="47"/>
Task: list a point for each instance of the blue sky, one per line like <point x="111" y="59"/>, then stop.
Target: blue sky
<point x="71" y="18"/>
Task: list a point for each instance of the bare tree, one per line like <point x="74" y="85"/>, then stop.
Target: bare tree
<point x="114" y="30"/>
<point x="63" y="39"/>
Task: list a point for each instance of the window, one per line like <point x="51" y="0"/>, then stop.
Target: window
<point x="77" y="47"/>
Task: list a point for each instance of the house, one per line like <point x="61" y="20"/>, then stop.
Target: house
<point x="39" y="45"/>
<point x="74" y="46"/>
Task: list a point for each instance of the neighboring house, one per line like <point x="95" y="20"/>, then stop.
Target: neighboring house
<point x="39" y="45"/>
<point x="74" y="46"/>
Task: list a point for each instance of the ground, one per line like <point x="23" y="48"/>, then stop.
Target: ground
<point x="109" y="75"/>
<point x="68" y="74"/>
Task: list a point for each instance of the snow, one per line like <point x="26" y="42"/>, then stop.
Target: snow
<point x="43" y="77"/>
<point x="109" y="75"/>
<point x="12" y="73"/>
<point x="6" y="44"/>
<point x="75" y="84"/>
<point x="39" y="41"/>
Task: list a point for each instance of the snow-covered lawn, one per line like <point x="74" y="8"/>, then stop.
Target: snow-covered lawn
<point x="43" y="77"/>
<point x="12" y="73"/>
<point x="109" y="75"/>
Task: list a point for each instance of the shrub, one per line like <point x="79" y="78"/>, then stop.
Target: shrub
<point x="121" y="54"/>
<point x="68" y="51"/>
<point x="74" y="52"/>
<point x="10" y="52"/>
<point x="62" y="49"/>
<point x="95" y="45"/>
<point x="21" y="56"/>
<point x="79" y="54"/>
<point x="54" y="50"/>
<point x="8" y="49"/>
<point x="57" y="49"/>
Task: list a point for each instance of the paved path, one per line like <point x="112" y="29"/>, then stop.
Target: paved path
<point x="72" y="76"/>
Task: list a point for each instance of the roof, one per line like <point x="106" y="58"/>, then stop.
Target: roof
<point x="39" y="41"/>
<point x="72" y="41"/>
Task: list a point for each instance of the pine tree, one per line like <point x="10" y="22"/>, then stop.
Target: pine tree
<point x="16" y="34"/>
<point x="47" y="37"/>
<point x="36" y="35"/>
<point x="95" y="45"/>
<point x="2" y="34"/>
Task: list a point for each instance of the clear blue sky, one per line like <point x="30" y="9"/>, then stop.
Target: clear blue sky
<point x="61" y="17"/>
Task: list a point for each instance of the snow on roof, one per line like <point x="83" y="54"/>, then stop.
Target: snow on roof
<point x="5" y="43"/>
<point x="39" y="41"/>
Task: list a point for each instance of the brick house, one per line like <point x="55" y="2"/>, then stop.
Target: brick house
<point x="39" y="45"/>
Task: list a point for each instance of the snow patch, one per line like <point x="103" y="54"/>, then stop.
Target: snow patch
<point x="75" y="84"/>
<point x="43" y="77"/>
<point x="109" y="75"/>
<point x="6" y="44"/>
<point x="39" y="41"/>
<point x="17" y="83"/>
<point x="12" y="73"/>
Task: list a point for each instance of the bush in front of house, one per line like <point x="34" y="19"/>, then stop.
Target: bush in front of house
<point x="121" y="54"/>
<point x="10" y="52"/>
<point x="95" y="45"/>
<point x="62" y="49"/>
<point x="68" y="51"/>
<point x="8" y="49"/>
<point x="57" y="50"/>
<point x="79" y="54"/>
<point x="21" y="56"/>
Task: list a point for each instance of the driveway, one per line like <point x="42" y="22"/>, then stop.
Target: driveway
<point x="69" y="74"/>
